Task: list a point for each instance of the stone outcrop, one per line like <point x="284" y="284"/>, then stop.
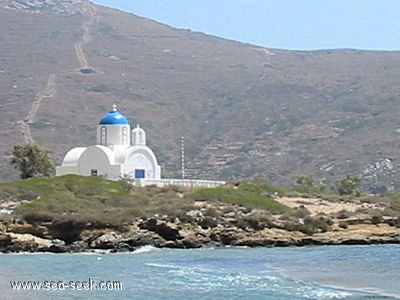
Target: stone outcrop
<point x="167" y="231"/>
<point x="26" y="242"/>
<point x="161" y="233"/>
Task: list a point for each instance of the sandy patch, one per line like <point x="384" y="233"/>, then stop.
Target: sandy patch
<point x="319" y="206"/>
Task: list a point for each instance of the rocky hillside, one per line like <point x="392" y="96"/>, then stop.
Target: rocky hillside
<point x="244" y="110"/>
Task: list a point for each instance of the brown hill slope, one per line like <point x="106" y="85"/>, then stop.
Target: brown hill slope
<point x="244" y="110"/>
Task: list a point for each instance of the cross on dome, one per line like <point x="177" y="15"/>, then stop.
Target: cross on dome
<point x="114" y="117"/>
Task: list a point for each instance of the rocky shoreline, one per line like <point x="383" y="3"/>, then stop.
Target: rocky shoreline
<point x="11" y="242"/>
<point x="166" y="232"/>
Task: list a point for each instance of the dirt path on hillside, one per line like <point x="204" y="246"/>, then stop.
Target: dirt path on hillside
<point x="48" y="92"/>
<point x="90" y="13"/>
<point x="50" y="89"/>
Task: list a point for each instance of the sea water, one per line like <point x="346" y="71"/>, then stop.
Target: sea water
<point x="323" y="272"/>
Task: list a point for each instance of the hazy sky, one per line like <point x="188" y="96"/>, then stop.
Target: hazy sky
<point x="284" y="24"/>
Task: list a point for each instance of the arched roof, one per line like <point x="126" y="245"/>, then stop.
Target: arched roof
<point x="73" y="155"/>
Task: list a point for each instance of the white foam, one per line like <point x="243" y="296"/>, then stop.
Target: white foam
<point x="166" y="266"/>
<point x="321" y="293"/>
<point x="93" y="252"/>
<point x="145" y="249"/>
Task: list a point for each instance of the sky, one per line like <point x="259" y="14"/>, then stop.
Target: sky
<point x="282" y="24"/>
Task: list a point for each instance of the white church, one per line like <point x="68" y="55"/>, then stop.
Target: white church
<point x="121" y="152"/>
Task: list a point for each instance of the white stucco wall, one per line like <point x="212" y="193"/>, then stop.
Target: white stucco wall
<point x="98" y="158"/>
<point x="64" y="170"/>
<point x="115" y="135"/>
<point x="70" y="162"/>
<point x="141" y="157"/>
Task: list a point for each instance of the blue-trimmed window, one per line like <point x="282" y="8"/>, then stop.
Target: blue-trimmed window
<point x="139" y="173"/>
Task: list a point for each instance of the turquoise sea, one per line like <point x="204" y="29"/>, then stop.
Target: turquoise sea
<point x="323" y="272"/>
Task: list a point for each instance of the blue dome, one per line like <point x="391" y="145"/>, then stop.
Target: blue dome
<point x="114" y="117"/>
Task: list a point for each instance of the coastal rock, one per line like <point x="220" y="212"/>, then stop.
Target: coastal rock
<point x="226" y="235"/>
<point x="5" y="240"/>
<point x="194" y="237"/>
<point x="58" y="246"/>
<point x="128" y="240"/>
<point x="111" y="241"/>
<point x="270" y="237"/>
<point x="23" y="243"/>
<point x="34" y="229"/>
<point x="29" y="239"/>
<point x="194" y="242"/>
<point x="171" y="244"/>
<point x="142" y="238"/>
<point x="360" y="234"/>
<point x="105" y="241"/>
<point x="68" y="231"/>
<point x="166" y="230"/>
<point x="77" y="247"/>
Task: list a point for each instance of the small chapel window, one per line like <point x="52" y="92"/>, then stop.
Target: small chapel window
<point x="124" y="136"/>
<point x="103" y="135"/>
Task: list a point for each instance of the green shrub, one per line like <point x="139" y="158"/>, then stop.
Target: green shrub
<point x="306" y="184"/>
<point x="80" y="200"/>
<point x="348" y="186"/>
<point x="259" y="185"/>
<point x="32" y="160"/>
<point x="241" y="197"/>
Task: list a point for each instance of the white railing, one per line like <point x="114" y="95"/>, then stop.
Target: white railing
<point x="180" y="182"/>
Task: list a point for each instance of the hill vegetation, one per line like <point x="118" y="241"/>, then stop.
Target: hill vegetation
<point x="76" y="211"/>
<point x="243" y="110"/>
<point x="103" y="203"/>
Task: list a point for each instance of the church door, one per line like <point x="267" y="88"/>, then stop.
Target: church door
<point x="139" y="173"/>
